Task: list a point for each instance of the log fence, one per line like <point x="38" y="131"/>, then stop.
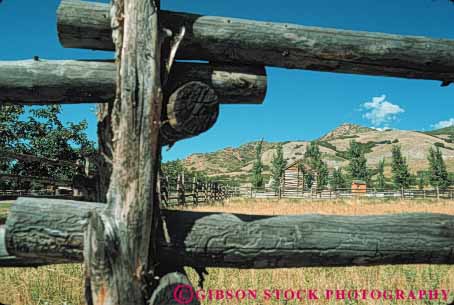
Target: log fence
<point x="180" y="191"/>
<point x="269" y="192"/>
<point x="134" y="251"/>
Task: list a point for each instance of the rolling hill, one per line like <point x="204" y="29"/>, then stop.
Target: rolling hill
<point x="237" y="162"/>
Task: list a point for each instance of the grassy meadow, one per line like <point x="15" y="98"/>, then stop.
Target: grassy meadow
<point x="58" y="285"/>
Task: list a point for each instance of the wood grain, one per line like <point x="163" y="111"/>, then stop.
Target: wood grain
<point x="191" y="110"/>
<point x="222" y="39"/>
<point x="120" y="242"/>
<point x="83" y="81"/>
<point x="244" y="241"/>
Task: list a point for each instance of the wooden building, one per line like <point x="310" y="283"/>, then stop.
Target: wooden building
<point x="359" y="187"/>
<point x="293" y="180"/>
<point x="293" y="183"/>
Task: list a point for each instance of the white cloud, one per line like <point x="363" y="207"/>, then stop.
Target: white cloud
<point x="443" y="124"/>
<point x="386" y="128"/>
<point x="380" y="111"/>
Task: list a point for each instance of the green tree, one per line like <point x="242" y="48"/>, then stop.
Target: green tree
<point x="399" y="167"/>
<point x="278" y="166"/>
<point x="257" y="169"/>
<point x="381" y="180"/>
<point x="172" y="169"/>
<point x="438" y="175"/>
<point x="338" y="180"/>
<point x="313" y="157"/>
<point x="358" y="163"/>
<point x="421" y="180"/>
<point x="38" y="131"/>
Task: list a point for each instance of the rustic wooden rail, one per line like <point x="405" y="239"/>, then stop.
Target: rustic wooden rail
<point x="132" y="251"/>
<point x="87" y="81"/>
<point x="179" y="191"/>
<point x="5" y="154"/>
<point x="87" y="25"/>
<point x="269" y="192"/>
<point x="52" y="231"/>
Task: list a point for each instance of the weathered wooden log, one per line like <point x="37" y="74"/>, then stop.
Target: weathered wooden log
<point x="4" y="154"/>
<point x="86" y="25"/>
<point x="120" y="243"/>
<point x="35" y="178"/>
<point x="52" y="230"/>
<point x="84" y="81"/>
<point x="48" y="229"/>
<point x="191" y="110"/>
<point x="7" y="260"/>
<point x="56" y="81"/>
<point x="174" y="289"/>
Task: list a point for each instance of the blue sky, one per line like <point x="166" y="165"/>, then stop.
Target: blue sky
<point x="300" y="105"/>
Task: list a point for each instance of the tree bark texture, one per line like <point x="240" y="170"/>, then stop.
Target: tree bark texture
<point x="83" y="81"/>
<point x="52" y="230"/>
<point x="222" y="39"/>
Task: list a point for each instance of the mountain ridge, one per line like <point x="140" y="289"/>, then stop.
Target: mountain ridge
<point x="237" y="161"/>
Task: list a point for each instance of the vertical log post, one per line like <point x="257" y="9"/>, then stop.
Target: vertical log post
<point x="120" y="243"/>
<point x="195" y="194"/>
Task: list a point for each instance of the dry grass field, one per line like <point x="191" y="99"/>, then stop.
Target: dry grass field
<point x="58" y="285"/>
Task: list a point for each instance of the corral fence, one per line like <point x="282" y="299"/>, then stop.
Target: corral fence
<point x="181" y="191"/>
<point x="133" y="251"/>
<point x="269" y="192"/>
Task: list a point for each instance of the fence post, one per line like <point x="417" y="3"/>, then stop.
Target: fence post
<point x="195" y="192"/>
<point x="120" y="243"/>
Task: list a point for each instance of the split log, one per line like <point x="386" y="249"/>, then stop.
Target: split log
<point x="52" y="230"/>
<point x="220" y="39"/>
<point x="84" y="81"/>
<point x="191" y="110"/>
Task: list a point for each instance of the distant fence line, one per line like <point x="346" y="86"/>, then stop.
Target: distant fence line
<point x="269" y="192"/>
<point x="194" y="192"/>
<point x="181" y="191"/>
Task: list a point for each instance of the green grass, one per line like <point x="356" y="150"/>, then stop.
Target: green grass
<point x="63" y="284"/>
<point x="4" y="207"/>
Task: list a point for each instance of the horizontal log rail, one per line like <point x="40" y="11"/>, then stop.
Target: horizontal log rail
<point x="84" y="81"/>
<point x="4" y="154"/>
<point x="10" y="261"/>
<point x="87" y="25"/>
<point x="51" y="230"/>
<point x="35" y="178"/>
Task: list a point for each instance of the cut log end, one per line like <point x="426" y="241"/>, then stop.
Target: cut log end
<point x="174" y="289"/>
<point x="191" y="110"/>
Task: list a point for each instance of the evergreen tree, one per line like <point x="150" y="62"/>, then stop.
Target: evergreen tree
<point x="278" y="167"/>
<point x="421" y="180"/>
<point x="314" y="158"/>
<point x="338" y="180"/>
<point x="401" y="174"/>
<point x="358" y="163"/>
<point x="257" y="169"/>
<point x="381" y="180"/>
<point x="438" y="174"/>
